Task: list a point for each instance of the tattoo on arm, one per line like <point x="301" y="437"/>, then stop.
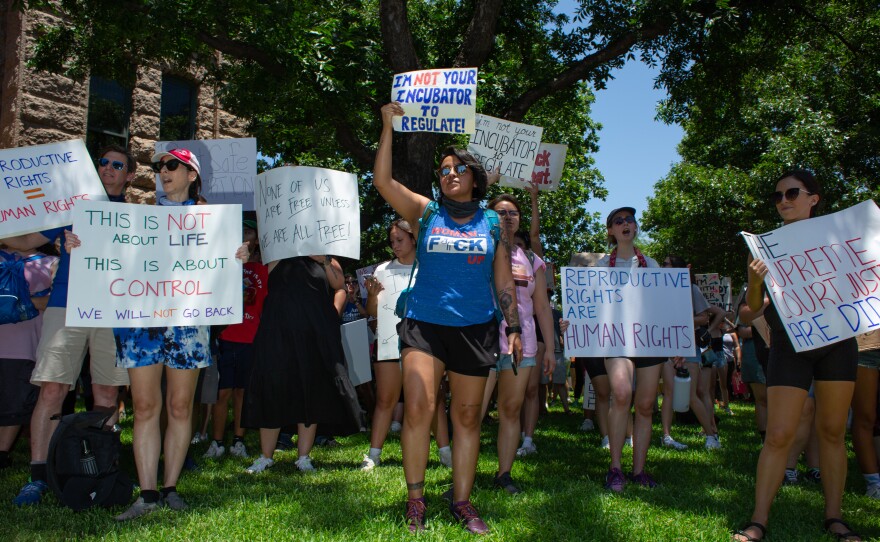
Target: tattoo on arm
<point x="505" y="241"/>
<point x="508" y="307"/>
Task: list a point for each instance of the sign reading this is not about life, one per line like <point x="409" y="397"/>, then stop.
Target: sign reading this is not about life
<point x="155" y="266"/>
<point x="442" y="100"/>
<point x="824" y="275"/>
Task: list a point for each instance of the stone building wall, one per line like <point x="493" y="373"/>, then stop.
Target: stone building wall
<point x="39" y="107"/>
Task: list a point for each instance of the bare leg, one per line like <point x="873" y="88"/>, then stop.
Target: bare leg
<point x="7" y="436"/>
<point x="759" y="392"/>
<point x="646" y="394"/>
<point x="832" y="406"/>
<point x="511" y="391"/>
<point x="237" y="403"/>
<point x="440" y="425"/>
<point x="864" y="405"/>
<point x="467" y="394"/>
<point x="620" y="377"/>
<point x="706" y="391"/>
<point x="531" y="404"/>
<point x="802" y="434"/>
<point x="268" y="438"/>
<point x="220" y="411"/>
<point x="146" y="396"/>
<point x="490" y="389"/>
<point x="421" y="379"/>
<point x="388" y="382"/>
<point x="179" y="403"/>
<point x="49" y="403"/>
<point x="666" y="413"/>
<point x="602" y="387"/>
<point x="697" y="404"/>
<point x="305" y="438"/>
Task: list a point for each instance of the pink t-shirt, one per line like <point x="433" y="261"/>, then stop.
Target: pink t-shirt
<point x="19" y="341"/>
<point x="524" y="278"/>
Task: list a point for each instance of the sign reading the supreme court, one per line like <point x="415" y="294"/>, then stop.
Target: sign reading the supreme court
<point x="443" y="101"/>
<point x="155" y="266"/>
<point x="41" y="185"/>
<point x="637" y="312"/>
<point x="509" y="146"/>
<point x="308" y="210"/>
<point x="824" y="275"/>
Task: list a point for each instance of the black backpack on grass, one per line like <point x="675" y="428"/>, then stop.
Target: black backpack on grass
<point x="83" y="462"/>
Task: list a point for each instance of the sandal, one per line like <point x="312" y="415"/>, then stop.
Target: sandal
<point x="840" y="536"/>
<point x="749" y="525"/>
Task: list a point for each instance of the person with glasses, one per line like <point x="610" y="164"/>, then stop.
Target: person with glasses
<point x="449" y="322"/>
<point x="62" y="349"/>
<point x="830" y="369"/>
<point x="354" y="306"/>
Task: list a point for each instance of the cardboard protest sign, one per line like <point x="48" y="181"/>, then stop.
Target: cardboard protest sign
<point x="443" y="101"/>
<point x="356" y="346"/>
<point x="549" y="165"/>
<point x="632" y="312"/>
<point x="307" y="210"/>
<point x="228" y="168"/>
<point x="508" y="146"/>
<point x="155" y="266"/>
<point x="43" y="184"/>
<point x="393" y="281"/>
<point x="823" y="277"/>
<point x="715" y="288"/>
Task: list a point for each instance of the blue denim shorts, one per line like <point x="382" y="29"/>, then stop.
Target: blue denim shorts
<point x="869" y="359"/>
<point x="505" y="362"/>
<point x="182" y="347"/>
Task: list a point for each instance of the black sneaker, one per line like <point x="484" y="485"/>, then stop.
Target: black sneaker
<point x="285" y="442"/>
<point x="814" y="476"/>
<point x="505" y="482"/>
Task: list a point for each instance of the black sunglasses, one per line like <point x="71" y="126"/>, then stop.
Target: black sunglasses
<point x="790" y="195"/>
<point x="446" y="170"/>
<point x="505" y="212"/>
<point x="115" y="164"/>
<point x="623" y="220"/>
<point x="171" y="165"/>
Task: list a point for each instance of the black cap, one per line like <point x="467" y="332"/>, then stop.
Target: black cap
<point x="615" y="211"/>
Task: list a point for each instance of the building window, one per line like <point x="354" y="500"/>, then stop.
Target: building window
<point x="178" y="118"/>
<point x="109" y="114"/>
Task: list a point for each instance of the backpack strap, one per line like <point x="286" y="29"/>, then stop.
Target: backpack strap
<point x="430" y="210"/>
<point x="495" y="230"/>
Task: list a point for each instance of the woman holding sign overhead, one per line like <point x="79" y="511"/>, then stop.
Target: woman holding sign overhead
<point x="449" y="318"/>
<point x="831" y="368"/>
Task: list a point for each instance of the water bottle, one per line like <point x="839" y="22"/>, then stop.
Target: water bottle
<point x="88" y="462"/>
<point x="681" y="394"/>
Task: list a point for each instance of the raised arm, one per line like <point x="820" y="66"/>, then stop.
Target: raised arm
<point x="407" y="203"/>
<point x="535" y="227"/>
<point x="27" y="241"/>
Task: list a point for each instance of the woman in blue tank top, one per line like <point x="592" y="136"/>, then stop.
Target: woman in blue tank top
<point x="449" y="322"/>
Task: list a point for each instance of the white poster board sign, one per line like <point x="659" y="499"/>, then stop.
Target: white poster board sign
<point x="228" y="168"/>
<point x="308" y="210"/>
<point x="356" y="345"/>
<point x="715" y="288"/>
<point x="509" y="146"/>
<point x="549" y="165"/>
<point x="393" y="281"/>
<point x="443" y="101"/>
<point x="41" y="185"/>
<point x="155" y="266"/>
<point x="628" y="312"/>
<point x="823" y="277"/>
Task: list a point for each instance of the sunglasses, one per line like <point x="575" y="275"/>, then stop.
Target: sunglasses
<point x="446" y="170"/>
<point x="171" y="165"/>
<point x="351" y="282"/>
<point x="623" y="220"/>
<point x="115" y="164"/>
<point x="790" y="195"/>
<point x="505" y="212"/>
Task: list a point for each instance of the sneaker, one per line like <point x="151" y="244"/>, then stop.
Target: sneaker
<point x="813" y="475"/>
<point x="215" y="451"/>
<point x="138" y="509"/>
<point x="304" y="464"/>
<point x="190" y="465"/>
<point x="395" y="427"/>
<point x="198" y="438"/>
<point x="174" y="501"/>
<point x="238" y="449"/>
<point x="643" y="479"/>
<point x="261" y="464"/>
<point x="329" y="442"/>
<point x="465" y="513"/>
<point x="505" y="482"/>
<point x="31" y="493"/>
<point x="615" y="481"/>
<point x="525" y="450"/>
<point x="713" y="442"/>
<point x="285" y="442"/>
<point x="605" y="445"/>
<point x="369" y="463"/>
<point x="670" y="442"/>
<point x="791" y="477"/>
<point x="628" y="442"/>
<point x="415" y="514"/>
<point x="587" y="425"/>
<point x="445" y="457"/>
<point x="873" y="491"/>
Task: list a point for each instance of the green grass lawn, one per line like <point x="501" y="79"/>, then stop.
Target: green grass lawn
<point x="701" y="497"/>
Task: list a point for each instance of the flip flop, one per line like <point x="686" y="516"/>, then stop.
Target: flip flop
<point x="840" y="536"/>
<point x="749" y="525"/>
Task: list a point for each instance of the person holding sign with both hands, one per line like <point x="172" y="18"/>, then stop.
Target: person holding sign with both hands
<point x="449" y="322"/>
<point x="831" y="368"/>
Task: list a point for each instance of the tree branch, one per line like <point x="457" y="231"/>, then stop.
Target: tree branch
<point x="480" y="35"/>
<point x="855" y="50"/>
<point x="242" y="51"/>
<point x="397" y="37"/>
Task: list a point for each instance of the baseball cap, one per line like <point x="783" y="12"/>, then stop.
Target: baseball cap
<point x="184" y="155"/>
<point x="615" y="211"/>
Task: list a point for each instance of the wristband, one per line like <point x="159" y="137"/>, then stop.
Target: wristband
<point x="513" y="329"/>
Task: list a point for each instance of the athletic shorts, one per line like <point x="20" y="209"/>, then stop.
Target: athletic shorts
<point x="595" y="366"/>
<point x="560" y="371"/>
<point x="62" y="350"/>
<point x="752" y="373"/>
<point x="869" y="359"/>
<point x="181" y="347"/>
<point x="17" y="395"/>
<point x="234" y="364"/>
<point x="505" y="362"/>
<point x="469" y="350"/>
<point x="835" y="362"/>
<point x="644" y="363"/>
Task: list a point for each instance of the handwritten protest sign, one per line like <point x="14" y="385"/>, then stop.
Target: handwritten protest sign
<point x="356" y="347"/>
<point x="549" y="165"/>
<point x="443" y="101"/>
<point x="715" y="288"/>
<point x="509" y="146"/>
<point x="393" y="281"/>
<point x="307" y="210"/>
<point x="362" y="275"/>
<point x="637" y="312"/>
<point x="43" y="184"/>
<point x="228" y="168"/>
<point x="154" y="266"/>
<point x="824" y="277"/>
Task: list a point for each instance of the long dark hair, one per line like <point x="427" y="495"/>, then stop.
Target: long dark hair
<point x="481" y="180"/>
<point x="809" y="181"/>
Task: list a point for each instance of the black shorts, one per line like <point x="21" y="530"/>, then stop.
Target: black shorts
<point x="17" y="395"/>
<point x="234" y="364"/>
<point x="595" y="366"/>
<point x="786" y="367"/>
<point x="644" y="363"/>
<point x="468" y="350"/>
<point x="538" y="334"/>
